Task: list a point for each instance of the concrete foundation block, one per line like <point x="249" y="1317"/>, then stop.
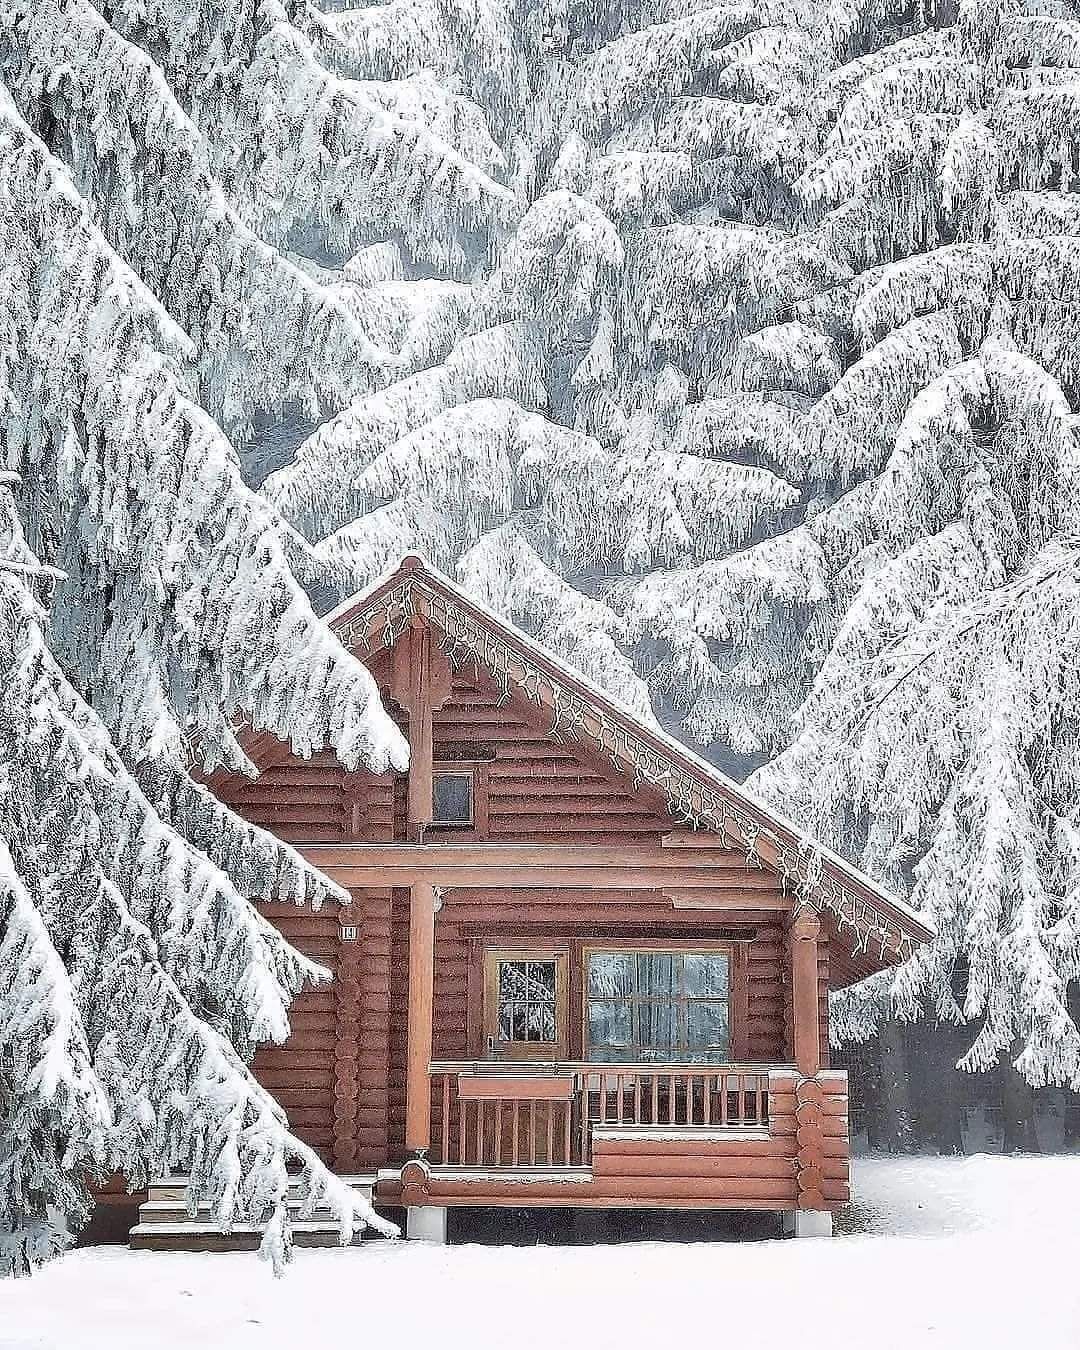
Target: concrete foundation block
<point x="426" y="1223"/>
<point x="807" y="1223"/>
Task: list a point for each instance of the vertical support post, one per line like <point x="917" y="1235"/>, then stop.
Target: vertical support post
<point x="805" y="994"/>
<point x="420" y="731"/>
<point x="809" y="1097"/>
<point x="420" y="683"/>
<point x="421" y="998"/>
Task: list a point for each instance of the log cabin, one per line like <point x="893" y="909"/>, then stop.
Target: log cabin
<point x="580" y="967"/>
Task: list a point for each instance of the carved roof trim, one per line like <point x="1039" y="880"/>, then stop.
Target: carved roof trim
<point x="874" y="923"/>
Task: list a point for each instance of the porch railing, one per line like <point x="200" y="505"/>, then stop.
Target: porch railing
<point x="542" y="1116"/>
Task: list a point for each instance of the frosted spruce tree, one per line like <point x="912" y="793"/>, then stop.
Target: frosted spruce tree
<point x="749" y="245"/>
<point x="146" y="607"/>
<point x="920" y="621"/>
<point x="624" y="316"/>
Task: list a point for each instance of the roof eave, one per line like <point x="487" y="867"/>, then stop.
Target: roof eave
<point x="913" y="928"/>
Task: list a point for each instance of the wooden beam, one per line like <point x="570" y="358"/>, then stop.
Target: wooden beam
<point x="420" y="683"/>
<point x="804" y="993"/>
<point x="524" y="866"/>
<point x="409" y="689"/>
<point x="707" y="899"/>
<point x="514" y="855"/>
<point x="525" y="877"/>
<point x="421" y="998"/>
<point x="707" y="839"/>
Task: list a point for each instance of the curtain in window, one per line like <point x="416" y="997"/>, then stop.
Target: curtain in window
<point x="656" y="1006"/>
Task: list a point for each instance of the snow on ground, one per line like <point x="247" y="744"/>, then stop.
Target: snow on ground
<point x="965" y="1254"/>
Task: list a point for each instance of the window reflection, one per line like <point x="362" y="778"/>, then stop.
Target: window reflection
<point x="526" y="1001"/>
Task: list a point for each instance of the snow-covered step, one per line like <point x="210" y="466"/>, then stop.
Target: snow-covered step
<point x="165" y="1225"/>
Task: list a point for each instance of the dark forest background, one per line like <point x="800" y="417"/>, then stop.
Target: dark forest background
<point x="908" y="1097"/>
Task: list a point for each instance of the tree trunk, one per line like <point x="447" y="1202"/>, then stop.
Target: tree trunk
<point x="932" y="1053"/>
<point x="894" y="1134"/>
<point x="1017" y="1110"/>
<point x="1071" y="1123"/>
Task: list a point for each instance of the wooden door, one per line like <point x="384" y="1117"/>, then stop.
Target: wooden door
<point x="526" y="999"/>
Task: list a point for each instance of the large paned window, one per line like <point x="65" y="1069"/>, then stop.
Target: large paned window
<point x="657" y="1007"/>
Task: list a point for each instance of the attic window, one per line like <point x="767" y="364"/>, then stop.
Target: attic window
<point x="452" y="798"/>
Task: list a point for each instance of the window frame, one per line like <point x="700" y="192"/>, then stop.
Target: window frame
<point x="674" y="948"/>
<point x="467" y="772"/>
<point x="542" y="1051"/>
<point x="477" y="828"/>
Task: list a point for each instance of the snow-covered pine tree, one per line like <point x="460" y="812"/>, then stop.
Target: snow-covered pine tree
<point x="135" y="976"/>
<point x="574" y="394"/>
<point x="751" y="243"/>
<point x="952" y="554"/>
<point x="692" y="263"/>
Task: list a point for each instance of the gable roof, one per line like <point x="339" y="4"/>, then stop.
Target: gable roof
<point x="879" y="928"/>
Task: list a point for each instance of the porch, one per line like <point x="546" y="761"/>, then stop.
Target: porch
<point x="493" y="1115"/>
<point x="523" y="1123"/>
<point x="739" y="1136"/>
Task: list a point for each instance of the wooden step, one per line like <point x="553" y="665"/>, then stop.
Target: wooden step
<point x="165" y="1224"/>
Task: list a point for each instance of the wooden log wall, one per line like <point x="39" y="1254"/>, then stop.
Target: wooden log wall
<point x="471" y="918"/>
<point x="537" y="788"/>
<point x="341" y="1076"/>
<point x="300" y="1073"/>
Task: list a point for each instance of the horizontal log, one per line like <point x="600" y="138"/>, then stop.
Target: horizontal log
<point x="371" y="1081"/>
<point x="510" y="777"/>
<point x="691" y="1165"/>
<point x="480" y="714"/>
<point x="526" y="876"/>
<point x="645" y="1147"/>
<point x="298" y="1097"/>
<point x="717" y="1194"/>
<point x="833" y="1127"/>
<point x="285" y="911"/>
<point x="300" y="1020"/>
<point x="305" y="834"/>
<point x="785" y="1103"/>
<point x="283" y="793"/>
<point x="294" y="813"/>
<point x="531" y="819"/>
<point x="506" y="792"/>
<point x="515" y="1199"/>
<point x="292" y="1077"/>
<point x="312" y="1040"/>
<point x="449" y="855"/>
<point x="289" y="1058"/>
<point x="317" y="1137"/>
<point x="520" y="1088"/>
<point x="322" y="1000"/>
<point x="305" y="1117"/>
<point x="290" y="776"/>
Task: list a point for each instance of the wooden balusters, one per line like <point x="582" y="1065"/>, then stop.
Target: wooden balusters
<point x="444" y="1132"/>
<point x="491" y="1128"/>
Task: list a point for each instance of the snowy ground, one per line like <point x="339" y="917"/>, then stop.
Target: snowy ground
<point x="966" y="1254"/>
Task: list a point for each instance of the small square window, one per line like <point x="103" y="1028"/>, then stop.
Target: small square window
<point x="452" y="799"/>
